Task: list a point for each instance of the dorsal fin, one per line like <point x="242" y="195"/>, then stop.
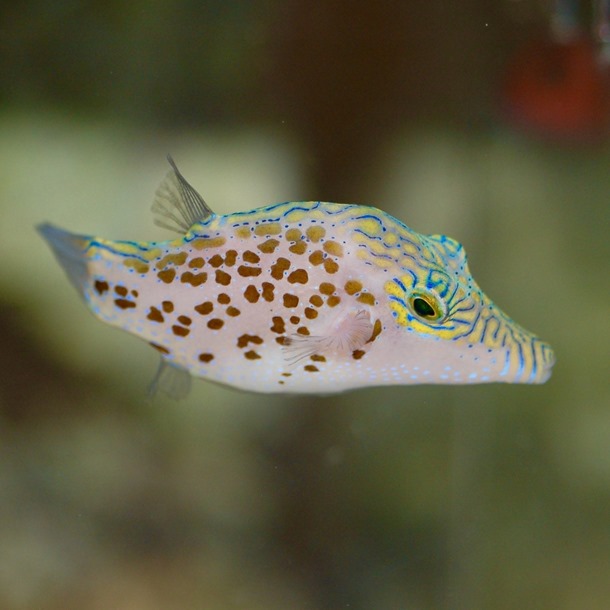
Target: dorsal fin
<point x="177" y="204"/>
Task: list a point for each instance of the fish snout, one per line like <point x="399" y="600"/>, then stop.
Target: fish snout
<point x="529" y="360"/>
<point x="546" y="356"/>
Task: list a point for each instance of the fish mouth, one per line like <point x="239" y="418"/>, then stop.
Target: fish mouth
<point x="545" y="355"/>
<point x="534" y="362"/>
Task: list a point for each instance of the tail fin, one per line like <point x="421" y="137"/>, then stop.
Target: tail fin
<point x="70" y="251"/>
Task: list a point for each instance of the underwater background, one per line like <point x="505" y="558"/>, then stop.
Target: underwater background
<point x="423" y="497"/>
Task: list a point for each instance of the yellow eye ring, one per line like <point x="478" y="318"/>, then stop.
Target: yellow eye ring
<point x="426" y="306"/>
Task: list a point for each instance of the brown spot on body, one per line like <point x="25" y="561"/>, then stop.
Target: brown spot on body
<point x="124" y="303"/>
<point x="100" y="286"/>
<point x="167" y="275"/>
<point x="376" y="331"/>
<point x="135" y="293"/>
<point x="230" y="257"/>
<point x="290" y="300"/>
<point x="299" y="276"/>
<point x="330" y="266"/>
<point x="316" y="300"/>
<point x="223" y="278"/>
<point x="315" y="234"/>
<point x="333" y="301"/>
<point x="303" y="330"/>
<point x="243" y="340"/>
<point x="353" y="286"/>
<point x="251" y="257"/>
<point x="293" y="235"/>
<point x="215" y="324"/>
<point x="268" y="228"/>
<point x="180" y="331"/>
<point x="327" y="288"/>
<point x="204" y="308"/>
<point x="194" y="279"/>
<point x="233" y="311"/>
<point x="246" y="271"/>
<point x="311" y="368"/>
<point x="171" y="259"/>
<point x="252" y="355"/>
<point x="268" y="291"/>
<point x="332" y="247"/>
<point x="310" y="313"/>
<point x="223" y="298"/>
<point x="155" y="315"/>
<point x="278" y="326"/>
<point x="300" y="247"/>
<point x="318" y="358"/>
<point x="202" y="243"/>
<point x="159" y="348"/>
<point x="206" y="357"/>
<point x="243" y="232"/>
<point x="167" y="306"/>
<point x="286" y="374"/>
<point x="196" y="263"/>
<point x="316" y="257"/>
<point x="294" y="319"/>
<point x="278" y="268"/>
<point x="121" y="291"/>
<point x="137" y="265"/>
<point x="216" y="260"/>
<point x="357" y="354"/>
<point x="269" y="246"/>
<point x="282" y="340"/>
<point x="185" y="320"/>
<point x="367" y="298"/>
<point x="251" y="294"/>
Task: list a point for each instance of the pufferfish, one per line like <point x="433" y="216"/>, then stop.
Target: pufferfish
<point x="298" y="297"/>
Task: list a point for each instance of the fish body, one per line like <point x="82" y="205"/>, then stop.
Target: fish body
<point x="299" y="297"/>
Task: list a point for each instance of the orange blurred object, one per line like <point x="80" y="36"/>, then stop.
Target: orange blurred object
<point x="558" y="90"/>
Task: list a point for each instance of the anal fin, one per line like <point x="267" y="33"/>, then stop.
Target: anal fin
<point x="170" y="379"/>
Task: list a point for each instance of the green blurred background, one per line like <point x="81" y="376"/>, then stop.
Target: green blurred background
<point x="486" y="497"/>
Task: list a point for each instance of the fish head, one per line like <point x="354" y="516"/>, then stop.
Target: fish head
<point x="449" y="331"/>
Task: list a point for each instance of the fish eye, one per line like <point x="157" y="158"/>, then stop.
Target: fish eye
<point x="426" y="306"/>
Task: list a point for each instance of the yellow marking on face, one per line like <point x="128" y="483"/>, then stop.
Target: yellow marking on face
<point x="409" y="247"/>
<point x="382" y="263"/>
<point x="399" y="308"/>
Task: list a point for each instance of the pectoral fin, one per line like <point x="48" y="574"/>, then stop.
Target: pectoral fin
<point x="348" y="336"/>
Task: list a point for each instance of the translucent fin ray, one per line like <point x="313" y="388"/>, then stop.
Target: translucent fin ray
<point x="177" y="205"/>
<point x="70" y="251"/>
<point x="350" y="333"/>
<point x="170" y="379"/>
